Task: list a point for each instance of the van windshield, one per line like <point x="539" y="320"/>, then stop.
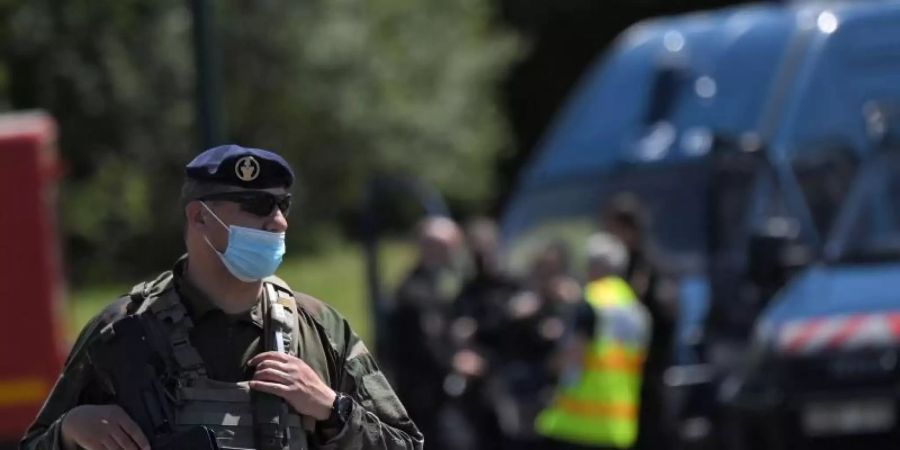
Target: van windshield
<point x="691" y="208"/>
<point x="673" y="199"/>
<point x="873" y="214"/>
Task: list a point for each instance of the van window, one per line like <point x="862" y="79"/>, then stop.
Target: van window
<point x="666" y="89"/>
<point x="569" y="233"/>
<point x="825" y="177"/>
<point x="874" y="230"/>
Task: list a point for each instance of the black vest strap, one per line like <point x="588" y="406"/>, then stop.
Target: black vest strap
<point x="279" y="315"/>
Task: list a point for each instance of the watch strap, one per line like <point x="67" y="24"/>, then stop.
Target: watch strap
<point x="340" y="411"/>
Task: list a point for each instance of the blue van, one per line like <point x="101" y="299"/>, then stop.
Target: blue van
<point x="823" y="367"/>
<point x="742" y="131"/>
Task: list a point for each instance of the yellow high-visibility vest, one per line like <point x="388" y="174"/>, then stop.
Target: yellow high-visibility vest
<point x="600" y="407"/>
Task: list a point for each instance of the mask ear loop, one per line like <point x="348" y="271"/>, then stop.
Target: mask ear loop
<point x="214" y="214"/>
<point x="220" y="222"/>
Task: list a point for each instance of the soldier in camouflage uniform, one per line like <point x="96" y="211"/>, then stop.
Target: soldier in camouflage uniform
<point x="215" y="308"/>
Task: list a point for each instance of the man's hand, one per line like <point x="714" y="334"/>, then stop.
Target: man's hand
<point x="102" y="427"/>
<point x="293" y="380"/>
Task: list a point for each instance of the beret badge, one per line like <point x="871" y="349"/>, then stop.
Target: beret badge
<point x="246" y="168"/>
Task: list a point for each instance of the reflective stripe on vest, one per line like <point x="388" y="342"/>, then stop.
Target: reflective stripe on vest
<point x="601" y="407"/>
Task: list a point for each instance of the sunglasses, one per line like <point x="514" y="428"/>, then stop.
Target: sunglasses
<point x="257" y="203"/>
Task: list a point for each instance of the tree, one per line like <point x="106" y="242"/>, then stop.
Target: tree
<point x="381" y="85"/>
<point x="116" y="75"/>
<point x="341" y="87"/>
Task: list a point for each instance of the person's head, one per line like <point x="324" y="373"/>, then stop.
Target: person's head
<point x="440" y="242"/>
<point x="236" y="201"/>
<point x="551" y="261"/>
<point x="606" y="256"/>
<point x="624" y="218"/>
<point x="482" y="237"/>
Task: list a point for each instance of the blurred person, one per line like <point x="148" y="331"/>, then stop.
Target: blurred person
<point x="417" y="338"/>
<point x="286" y="371"/>
<point x="551" y="276"/>
<point x="479" y="319"/>
<point x="626" y="219"/>
<point x="534" y="323"/>
<point x="598" y="395"/>
<point x="485" y="295"/>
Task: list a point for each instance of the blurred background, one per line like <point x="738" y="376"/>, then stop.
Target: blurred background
<point x="734" y="138"/>
<point x="456" y="93"/>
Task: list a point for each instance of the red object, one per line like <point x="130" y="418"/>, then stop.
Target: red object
<point x="32" y="342"/>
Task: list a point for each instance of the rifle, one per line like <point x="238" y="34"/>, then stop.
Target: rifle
<point x="127" y="361"/>
<point x="270" y="412"/>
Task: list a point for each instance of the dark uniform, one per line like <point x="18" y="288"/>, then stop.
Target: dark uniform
<point x="419" y="350"/>
<point x="653" y="429"/>
<point x="484" y="301"/>
<point x="526" y="378"/>
<point x="321" y="337"/>
<point x="626" y="220"/>
<point x="529" y="341"/>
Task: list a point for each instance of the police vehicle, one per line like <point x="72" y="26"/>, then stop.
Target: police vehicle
<point x="742" y="131"/>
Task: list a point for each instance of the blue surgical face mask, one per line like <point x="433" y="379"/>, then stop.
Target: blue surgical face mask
<point x="251" y="254"/>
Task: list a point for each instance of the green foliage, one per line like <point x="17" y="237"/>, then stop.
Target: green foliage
<point x="386" y="85"/>
<point x="343" y="88"/>
<point x="117" y="77"/>
<point x="337" y="276"/>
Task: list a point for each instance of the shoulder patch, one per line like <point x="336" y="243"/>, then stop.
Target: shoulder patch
<point x="359" y="349"/>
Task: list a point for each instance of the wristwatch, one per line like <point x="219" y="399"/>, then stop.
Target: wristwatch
<point x="340" y="411"/>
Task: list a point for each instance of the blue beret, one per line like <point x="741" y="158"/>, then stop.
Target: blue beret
<point x="249" y="168"/>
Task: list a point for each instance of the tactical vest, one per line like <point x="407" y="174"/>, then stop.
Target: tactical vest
<point x="600" y="406"/>
<point x="225" y="408"/>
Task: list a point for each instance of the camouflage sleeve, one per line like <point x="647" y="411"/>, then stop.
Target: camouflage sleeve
<point x="378" y="420"/>
<point x="75" y="385"/>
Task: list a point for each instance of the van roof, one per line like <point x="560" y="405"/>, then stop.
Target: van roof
<point x="714" y="71"/>
<point x="764" y="69"/>
<point x="608" y="106"/>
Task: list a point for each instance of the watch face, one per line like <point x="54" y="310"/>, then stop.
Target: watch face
<point x="344" y="405"/>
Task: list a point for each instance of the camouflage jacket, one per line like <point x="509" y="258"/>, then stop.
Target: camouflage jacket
<point x="332" y="349"/>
